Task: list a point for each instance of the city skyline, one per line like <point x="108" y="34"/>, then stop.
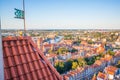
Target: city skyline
<point x="62" y="14"/>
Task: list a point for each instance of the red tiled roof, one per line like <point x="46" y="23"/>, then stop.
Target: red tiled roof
<point x="111" y="70"/>
<point x="98" y="62"/>
<point x="24" y="61"/>
<point x="107" y="57"/>
<point x="102" y="75"/>
<point x="48" y="45"/>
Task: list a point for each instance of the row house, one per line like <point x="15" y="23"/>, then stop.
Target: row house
<point x="38" y="41"/>
<point x="111" y="71"/>
<point x="47" y="47"/>
<point x="84" y="43"/>
<point x="74" y="74"/>
<point x="108" y="59"/>
<point x="100" y="49"/>
<point x="88" y="71"/>
<point x="116" y="57"/>
<point x="67" y="42"/>
<point x="82" y="53"/>
<point x="101" y="65"/>
<point x="55" y="46"/>
<point x="97" y="44"/>
<point x="95" y="68"/>
<point x="101" y="76"/>
<point x="85" y="74"/>
<point x="52" y="58"/>
<point x="64" y="56"/>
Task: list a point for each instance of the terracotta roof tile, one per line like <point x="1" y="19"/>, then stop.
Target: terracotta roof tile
<point x="14" y="72"/>
<point x="24" y="61"/>
<point x="6" y="65"/>
<point x="11" y="61"/>
<point x="22" y="77"/>
<point x="17" y="60"/>
<point x="20" y="70"/>
<point x="8" y="73"/>
<point x="26" y="68"/>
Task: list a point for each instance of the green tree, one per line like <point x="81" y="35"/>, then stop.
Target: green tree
<point x="118" y="64"/>
<point x="81" y="62"/>
<point x="50" y="51"/>
<point x="73" y="50"/>
<point x="77" y="42"/>
<point x="60" y="66"/>
<point x="62" y="50"/>
<point x="97" y="57"/>
<point x="101" y="55"/>
<point x="97" y="34"/>
<point x="110" y="52"/>
<point x="86" y="59"/>
<point x="90" y="42"/>
<point x="74" y="65"/>
<point x="90" y="61"/>
<point x="68" y="64"/>
<point x="66" y="37"/>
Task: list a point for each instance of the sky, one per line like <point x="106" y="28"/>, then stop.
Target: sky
<point x="62" y="14"/>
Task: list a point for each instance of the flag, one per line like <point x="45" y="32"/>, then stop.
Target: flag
<point x="19" y="13"/>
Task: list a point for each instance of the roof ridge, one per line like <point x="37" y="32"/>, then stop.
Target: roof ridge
<point x="15" y="38"/>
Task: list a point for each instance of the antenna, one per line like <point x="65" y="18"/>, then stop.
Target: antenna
<point x="24" y="17"/>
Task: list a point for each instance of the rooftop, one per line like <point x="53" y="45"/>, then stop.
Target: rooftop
<point x="111" y="70"/>
<point x="23" y="60"/>
<point x="102" y="75"/>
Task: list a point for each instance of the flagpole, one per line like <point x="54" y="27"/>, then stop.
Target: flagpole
<point x="24" y="18"/>
<point x="1" y="56"/>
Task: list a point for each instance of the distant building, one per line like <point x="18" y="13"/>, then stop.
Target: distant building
<point x="101" y="76"/>
<point x="111" y="72"/>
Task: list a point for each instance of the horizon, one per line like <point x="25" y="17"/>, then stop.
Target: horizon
<point x="61" y="29"/>
<point x="62" y="14"/>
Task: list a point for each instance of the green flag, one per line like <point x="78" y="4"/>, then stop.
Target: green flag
<point x="19" y="14"/>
